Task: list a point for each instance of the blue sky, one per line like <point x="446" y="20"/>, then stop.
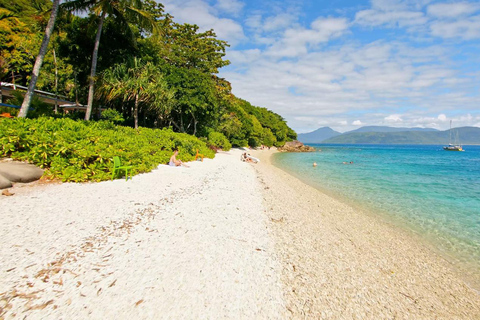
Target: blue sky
<point x="347" y="64"/>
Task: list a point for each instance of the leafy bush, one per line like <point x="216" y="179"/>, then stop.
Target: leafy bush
<point x="83" y="151"/>
<point x="112" y="115"/>
<point x="37" y="109"/>
<point x="219" y="141"/>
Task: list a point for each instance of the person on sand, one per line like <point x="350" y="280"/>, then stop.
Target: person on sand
<point x="246" y="158"/>
<point x="174" y="162"/>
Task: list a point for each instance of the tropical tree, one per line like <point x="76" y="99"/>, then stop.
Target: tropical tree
<point x="124" y="11"/>
<point x="136" y="81"/>
<point x="38" y="62"/>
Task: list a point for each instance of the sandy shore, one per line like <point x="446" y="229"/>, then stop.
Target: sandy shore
<point x="221" y="239"/>
<point x="176" y="243"/>
<point x="340" y="263"/>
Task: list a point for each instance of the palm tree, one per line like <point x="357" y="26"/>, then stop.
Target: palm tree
<point x="38" y="62"/>
<point x="123" y="11"/>
<point x="136" y="81"/>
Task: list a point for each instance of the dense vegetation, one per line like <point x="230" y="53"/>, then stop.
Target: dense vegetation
<point x="83" y="151"/>
<point x="160" y="76"/>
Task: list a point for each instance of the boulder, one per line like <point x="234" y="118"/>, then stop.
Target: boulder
<point x="296" y="146"/>
<point x="20" y="172"/>
<point x="4" y="182"/>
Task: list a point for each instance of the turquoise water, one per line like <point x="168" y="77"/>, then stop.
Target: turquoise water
<point x="432" y="192"/>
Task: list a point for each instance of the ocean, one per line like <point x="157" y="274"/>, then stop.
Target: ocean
<point x="421" y="188"/>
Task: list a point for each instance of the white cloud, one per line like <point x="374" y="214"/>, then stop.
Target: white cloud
<point x="442" y="117"/>
<point x="357" y="123"/>
<point x="296" y="41"/>
<point x="240" y="58"/>
<point x="202" y="14"/>
<point x="394" y="118"/>
<point x="466" y="28"/>
<point x="278" y="22"/>
<point x="230" y="6"/>
<point x="390" y="18"/>
<point x="398" y="5"/>
<point x="452" y="10"/>
<point x="254" y="21"/>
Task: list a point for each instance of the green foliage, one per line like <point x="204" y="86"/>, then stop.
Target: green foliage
<point x="112" y="115"/>
<point x="83" y="151"/>
<point x="38" y="108"/>
<point x="219" y="141"/>
<point x="175" y="86"/>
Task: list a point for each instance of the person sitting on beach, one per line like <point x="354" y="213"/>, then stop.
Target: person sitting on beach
<point x="174" y="162"/>
<point x="251" y="159"/>
<point x="246" y="158"/>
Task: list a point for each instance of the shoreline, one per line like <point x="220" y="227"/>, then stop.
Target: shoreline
<point x="466" y="270"/>
<point x="342" y="262"/>
<point x="221" y="239"/>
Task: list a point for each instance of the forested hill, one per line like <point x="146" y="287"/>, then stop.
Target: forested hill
<point x="318" y="135"/>
<point x="466" y="135"/>
<point x="388" y="129"/>
<point x="151" y="71"/>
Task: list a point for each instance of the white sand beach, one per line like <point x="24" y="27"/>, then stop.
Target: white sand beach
<point x="176" y="243"/>
<point x="221" y="239"/>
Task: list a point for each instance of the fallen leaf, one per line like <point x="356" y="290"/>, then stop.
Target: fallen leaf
<point x="7" y="193"/>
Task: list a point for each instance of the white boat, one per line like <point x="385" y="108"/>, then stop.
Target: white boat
<point x="453" y="146"/>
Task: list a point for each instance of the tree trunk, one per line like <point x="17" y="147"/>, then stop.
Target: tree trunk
<point x="56" y="81"/>
<point x="38" y="62"/>
<point x="135" y="111"/>
<point x="194" y="125"/>
<point x="176" y="125"/>
<point x="91" y="88"/>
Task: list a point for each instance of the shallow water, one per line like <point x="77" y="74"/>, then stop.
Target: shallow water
<point x="432" y="192"/>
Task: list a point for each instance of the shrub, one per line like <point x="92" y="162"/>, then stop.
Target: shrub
<point x="83" y="150"/>
<point x="219" y="141"/>
<point x="112" y="115"/>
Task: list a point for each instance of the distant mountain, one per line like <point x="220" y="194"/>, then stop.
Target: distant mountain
<point x="388" y="129"/>
<point x="466" y="135"/>
<point x="318" y="135"/>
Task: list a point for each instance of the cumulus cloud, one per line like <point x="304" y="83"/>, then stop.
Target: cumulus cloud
<point x="390" y="18"/>
<point x="452" y="10"/>
<point x="295" y="41"/>
<point x="394" y="118"/>
<point x="467" y="28"/>
<point x="202" y="14"/>
<point x="442" y="117"/>
<point x="357" y="123"/>
<point x="278" y="22"/>
<point x="230" y="6"/>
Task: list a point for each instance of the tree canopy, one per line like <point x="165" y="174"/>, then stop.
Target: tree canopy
<point x="175" y="83"/>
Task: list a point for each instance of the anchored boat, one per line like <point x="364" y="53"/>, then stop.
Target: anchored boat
<point x="453" y="146"/>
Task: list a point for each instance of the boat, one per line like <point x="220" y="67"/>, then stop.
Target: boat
<point x="453" y="146"/>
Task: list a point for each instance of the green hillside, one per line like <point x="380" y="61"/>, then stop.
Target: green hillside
<point x="466" y="135"/>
